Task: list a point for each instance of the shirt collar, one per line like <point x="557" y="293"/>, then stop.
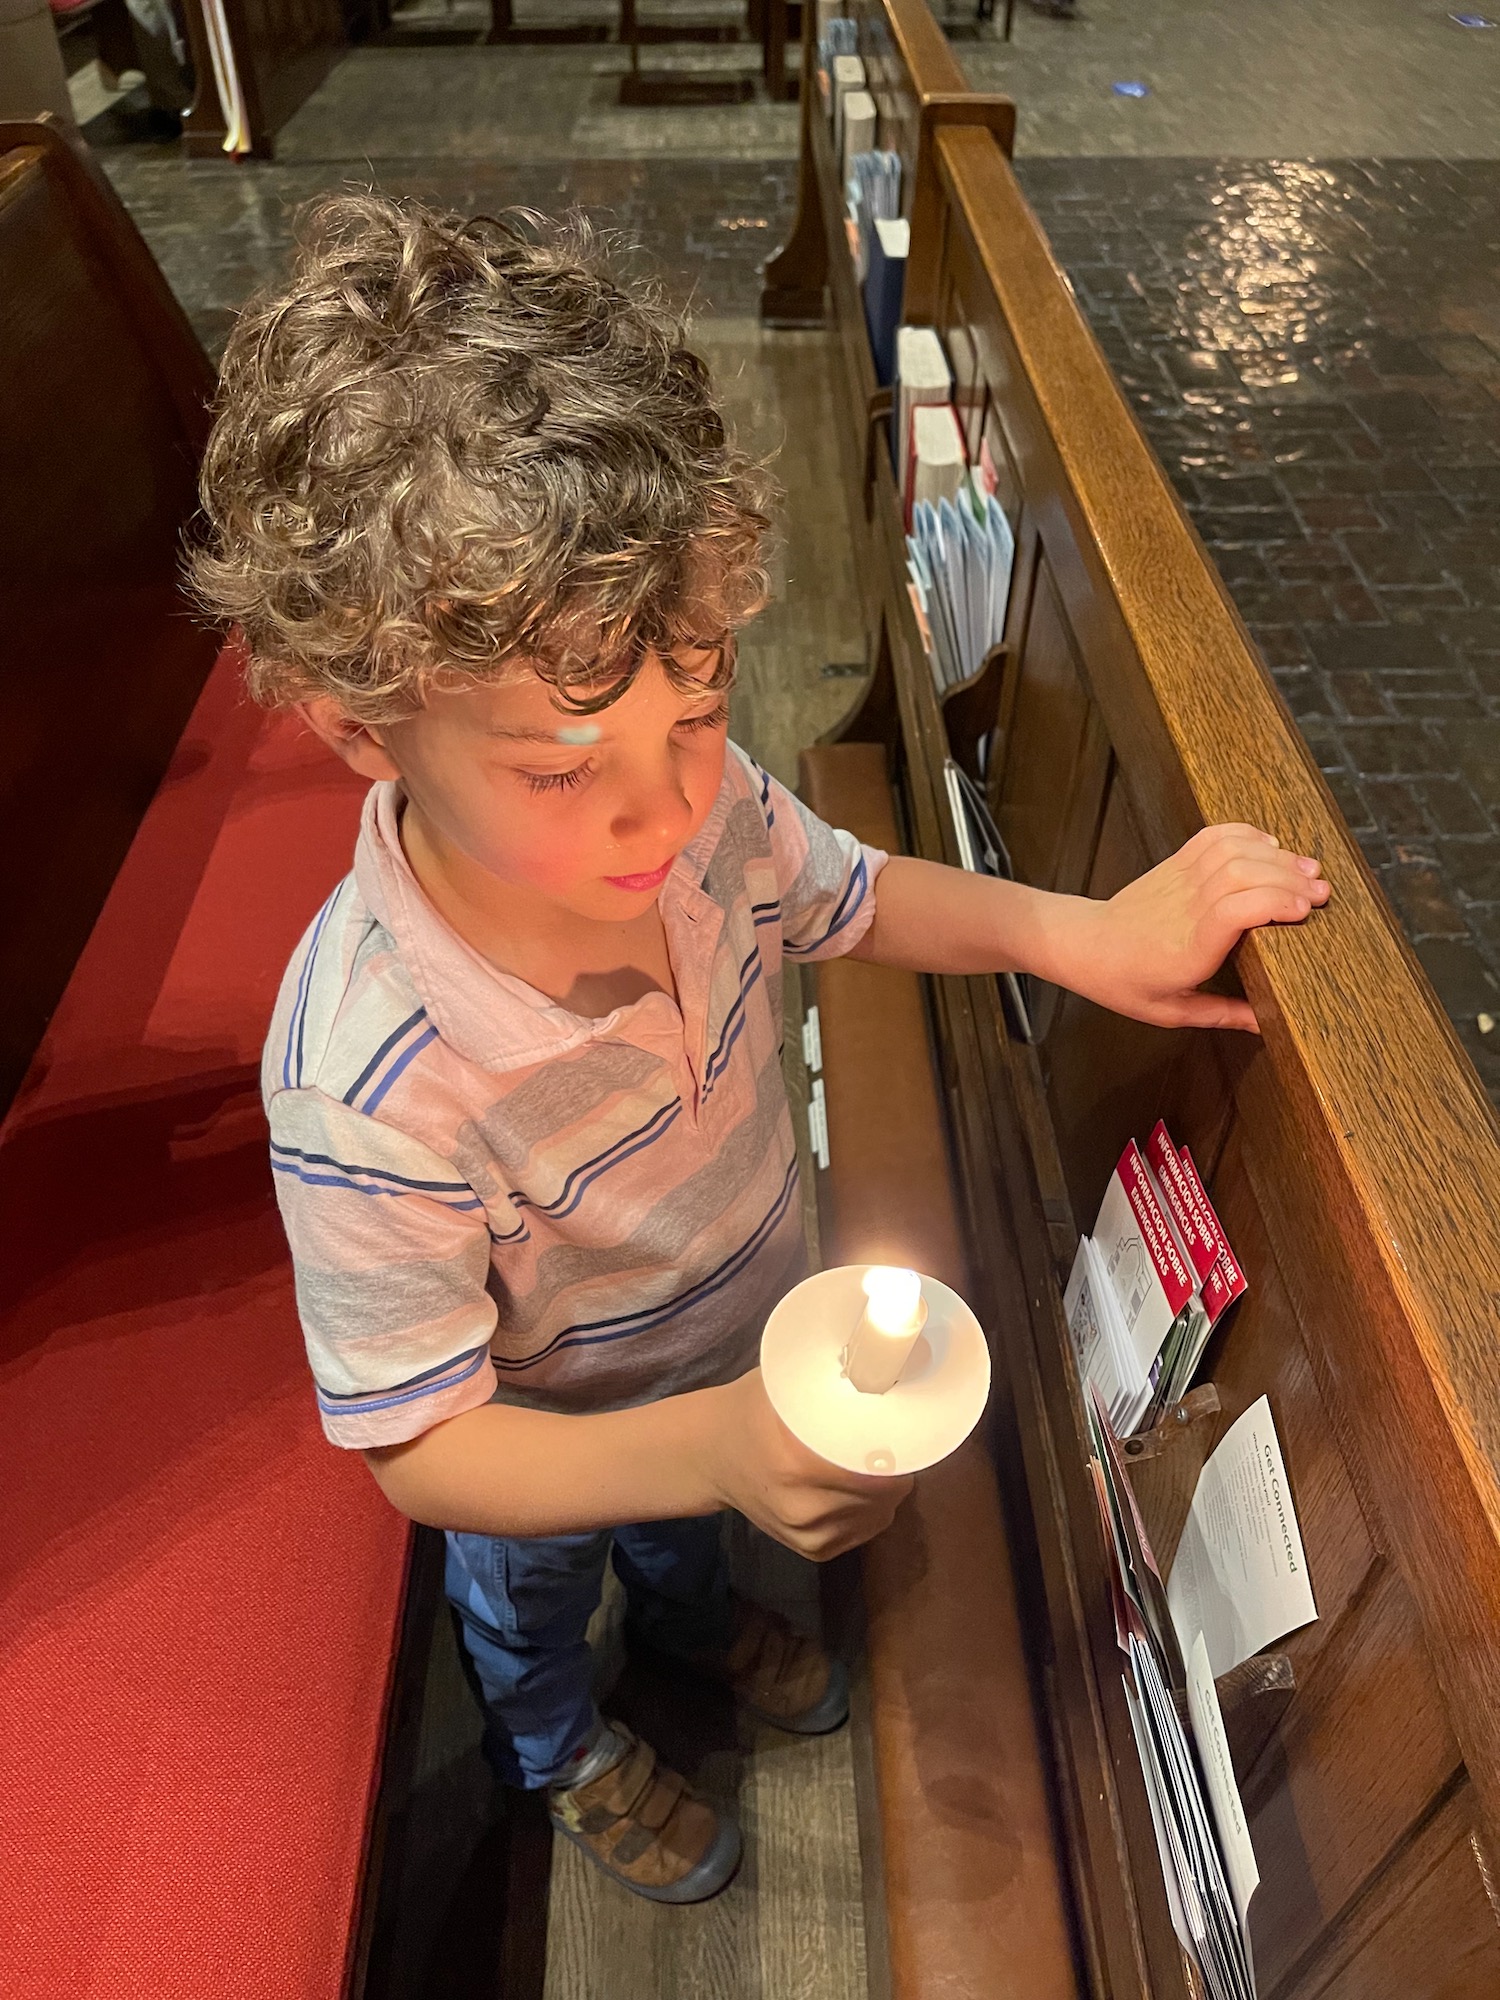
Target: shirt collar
<point x="491" y="1017"/>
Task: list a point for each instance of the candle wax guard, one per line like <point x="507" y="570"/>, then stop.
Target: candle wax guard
<point x="929" y="1412"/>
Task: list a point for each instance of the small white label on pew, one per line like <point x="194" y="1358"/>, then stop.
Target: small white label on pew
<point x="817" y="1124"/>
<point x="812" y="1040"/>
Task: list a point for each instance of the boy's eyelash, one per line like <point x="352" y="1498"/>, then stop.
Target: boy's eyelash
<point x="555" y="781"/>
<point x="564" y="781"/>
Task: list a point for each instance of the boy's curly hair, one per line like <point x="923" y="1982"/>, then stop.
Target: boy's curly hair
<point x="448" y="444"/>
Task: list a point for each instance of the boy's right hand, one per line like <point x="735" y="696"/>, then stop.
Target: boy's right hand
<point x="757" y="1467"/>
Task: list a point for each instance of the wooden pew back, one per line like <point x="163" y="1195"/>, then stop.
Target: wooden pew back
<point x="1352" y="1154"/>
<point x="104" y="396"/>
<point x="1351" y="1151"/>
<point x="274" y="56"/>
<point x="194" y="1680"/>
<point x="918" y="88"/>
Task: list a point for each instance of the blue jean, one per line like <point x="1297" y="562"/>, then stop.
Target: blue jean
<point x="524" y="1605"/>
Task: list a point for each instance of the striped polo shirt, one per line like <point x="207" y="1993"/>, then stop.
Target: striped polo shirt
<point x="488" y="1196"/>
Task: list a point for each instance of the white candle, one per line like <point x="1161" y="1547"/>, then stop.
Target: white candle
<point x="894" y="1315"/>
<point x="935" y="1399"/>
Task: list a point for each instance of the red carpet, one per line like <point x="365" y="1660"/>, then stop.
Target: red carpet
<point x="198" y="1596"/>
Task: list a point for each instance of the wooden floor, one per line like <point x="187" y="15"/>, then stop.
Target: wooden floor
<point x="790" y="1927"/>
<point x="469" y="1912"/>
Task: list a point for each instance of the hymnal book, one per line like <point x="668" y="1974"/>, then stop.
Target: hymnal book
<point x="848" y="74"/>
<point x="922" y="376"/>
<point x="935" y="470"/>
<point x="884" y="283"/>
<point x="1240" y="1575"/>
<point x="982" y="852"/>
<point x="859" y="123"/>
<point x="878" y="177"/>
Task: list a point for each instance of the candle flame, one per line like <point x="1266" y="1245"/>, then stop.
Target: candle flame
<point x="895" y="1298"/>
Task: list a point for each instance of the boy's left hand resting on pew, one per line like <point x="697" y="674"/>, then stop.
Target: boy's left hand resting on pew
<point x="1147" y="950"/>
<point x="1143" y="952"/>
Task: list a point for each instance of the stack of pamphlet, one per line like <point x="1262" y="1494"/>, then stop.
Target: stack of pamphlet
<point x="1150" y="1285"/>
<point x="837" y="36"/>
<point x="1237" y="1583"/>
<point x="959" y="556"/>
<point x="872" y="194"/>
<point x="1186" y="1815"/>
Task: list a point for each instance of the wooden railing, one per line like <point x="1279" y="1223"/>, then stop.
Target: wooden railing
<point x="1351" y="1151"/>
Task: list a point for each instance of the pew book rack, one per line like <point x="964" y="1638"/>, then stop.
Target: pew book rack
<point x="1350" y="1150"/>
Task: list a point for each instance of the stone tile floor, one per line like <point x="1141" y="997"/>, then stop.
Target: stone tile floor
<point x="1282" y="79"/>
<point x="530" y="104"/>
<point x="220" y="230"/>
<point x="1314" y="352"/>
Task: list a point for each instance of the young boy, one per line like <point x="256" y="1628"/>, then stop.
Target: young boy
<point x="478" y="517"/>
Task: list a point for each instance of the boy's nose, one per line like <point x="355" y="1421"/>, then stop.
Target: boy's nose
<point x="655" y="812"/>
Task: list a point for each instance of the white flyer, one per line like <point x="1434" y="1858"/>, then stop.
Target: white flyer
<point x="1218" y="1777"/>
<point x="1240" y="1575"/>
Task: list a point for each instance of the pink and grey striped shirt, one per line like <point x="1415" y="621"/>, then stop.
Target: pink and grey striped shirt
<point x="488" y="1196"/>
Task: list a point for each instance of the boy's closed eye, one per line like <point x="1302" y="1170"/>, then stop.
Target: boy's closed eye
<point x="716" y="717"/>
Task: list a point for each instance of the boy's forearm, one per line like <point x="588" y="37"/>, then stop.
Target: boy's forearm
<point x="501" y="1470"/>
<point x="929" y="918"/>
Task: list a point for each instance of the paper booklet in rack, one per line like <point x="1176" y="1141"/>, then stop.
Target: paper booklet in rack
<point x="1203" y="1843"/>
<point x="1151" y="1283"/>
<point x="1146" y="1290"/>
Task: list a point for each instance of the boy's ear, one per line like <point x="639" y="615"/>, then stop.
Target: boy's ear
<point x="356" y="742"/>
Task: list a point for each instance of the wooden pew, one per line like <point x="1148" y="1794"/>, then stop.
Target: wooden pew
<point x="269" y="57"/>
<point x="201" y="1600"/>
<point x="104" y="392"/>
<point x="1350" y="1151"/>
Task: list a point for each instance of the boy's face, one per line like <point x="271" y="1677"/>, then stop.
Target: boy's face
<point x="586" y="811"/>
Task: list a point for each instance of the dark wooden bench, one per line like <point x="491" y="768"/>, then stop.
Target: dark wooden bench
<point x="105" y="392"/>
<point x="202" y="1601"/>
<point x="1351" y="1151"/>
<point x="274" y="56"/>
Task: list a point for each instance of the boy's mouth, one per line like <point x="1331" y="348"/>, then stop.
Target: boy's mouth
<point x="636" y="883"/>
